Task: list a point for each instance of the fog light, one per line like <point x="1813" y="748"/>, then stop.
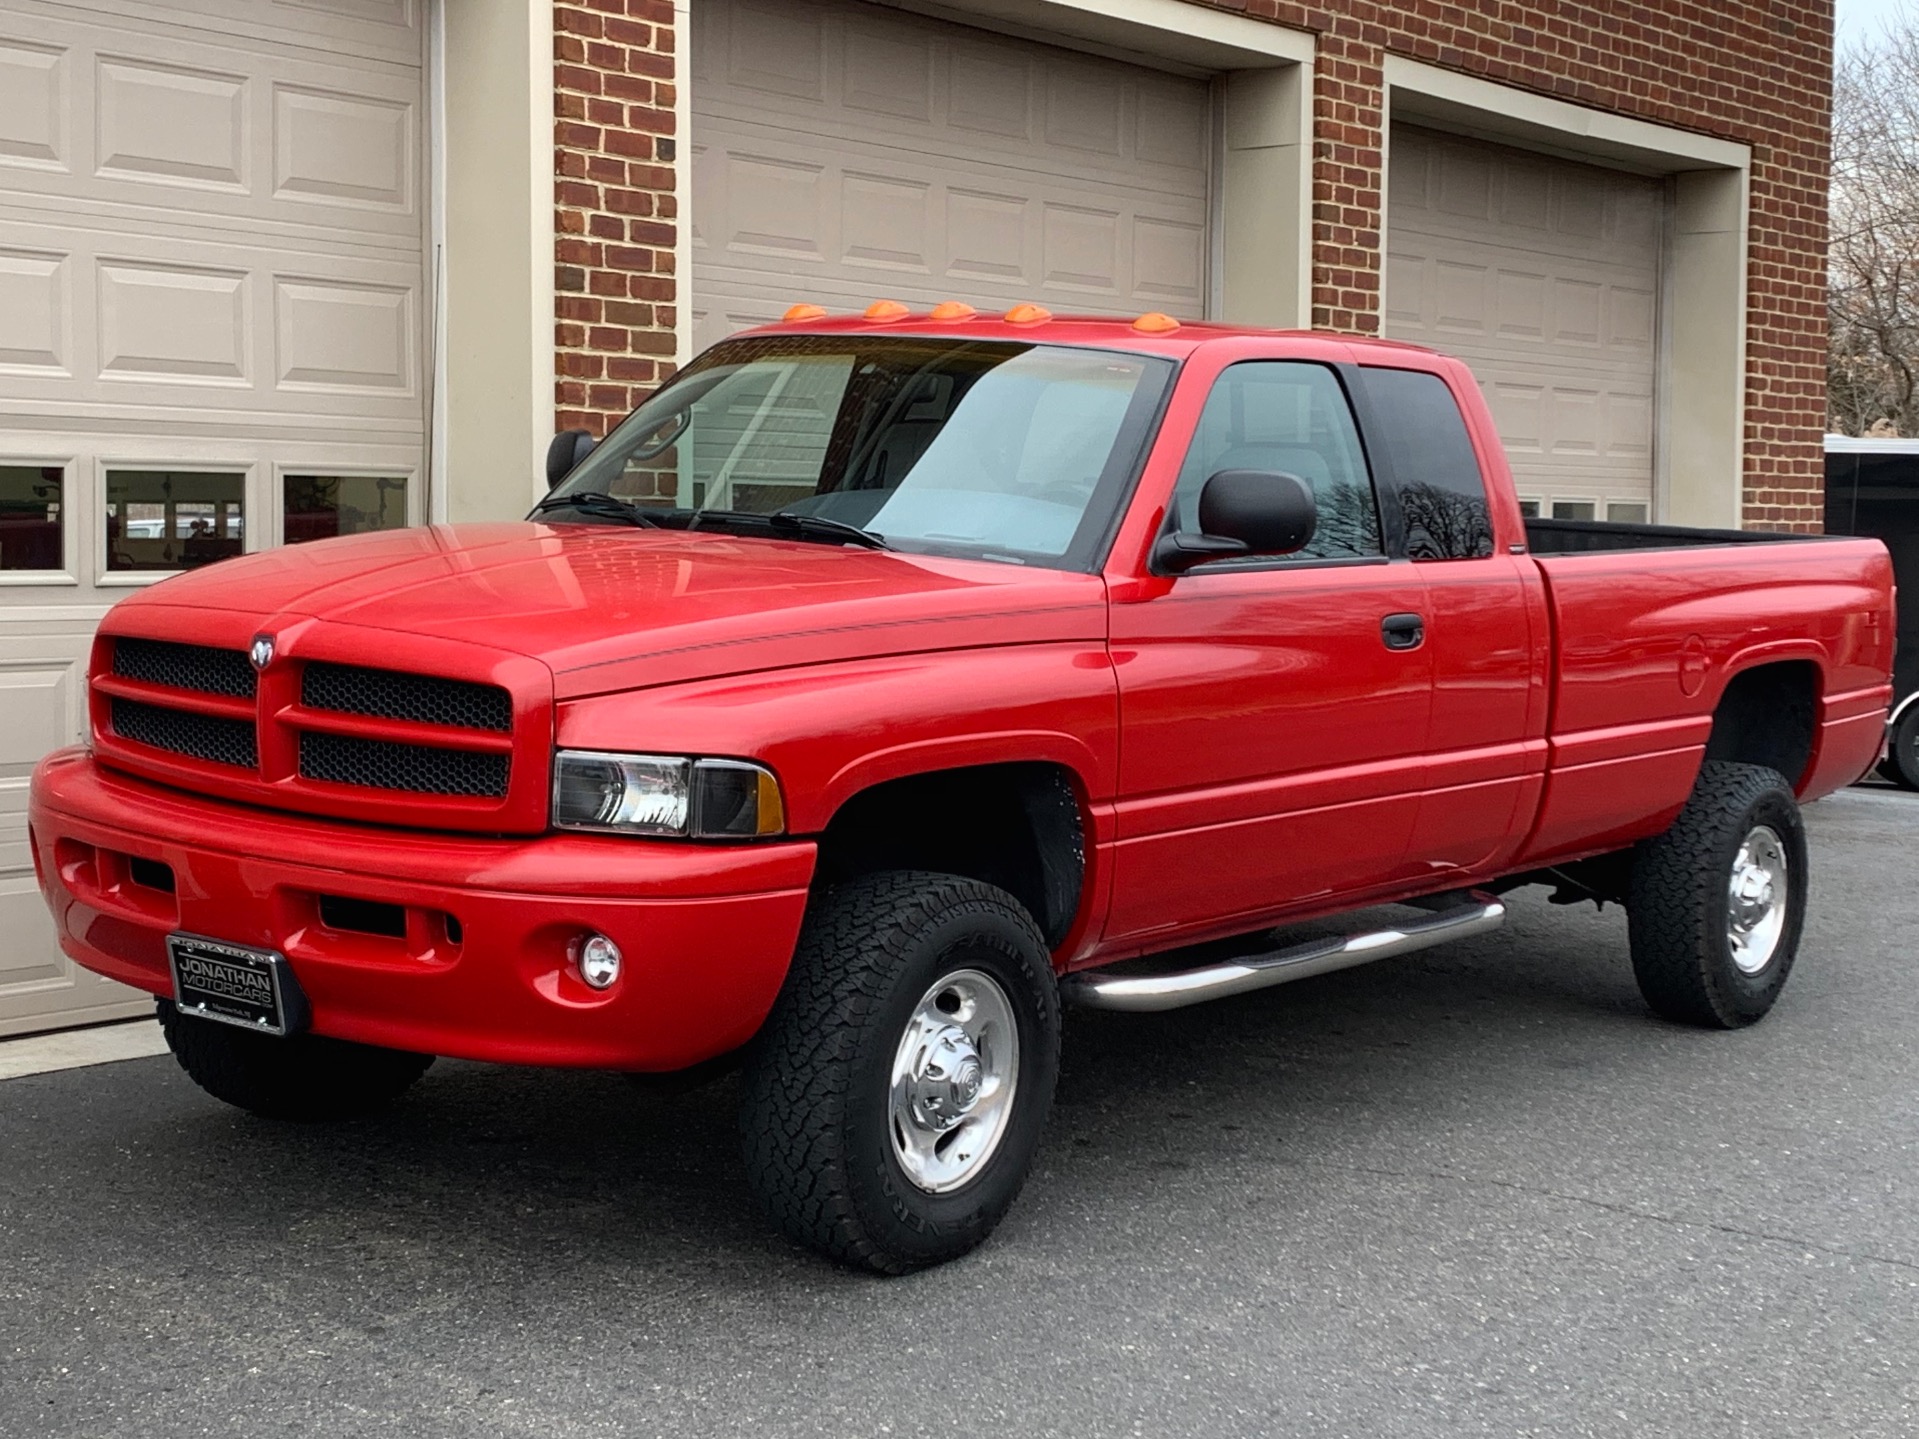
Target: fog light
<point x="598" y="960"/>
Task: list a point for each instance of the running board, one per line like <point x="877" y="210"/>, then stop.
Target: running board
<point x="1150" y="992"/>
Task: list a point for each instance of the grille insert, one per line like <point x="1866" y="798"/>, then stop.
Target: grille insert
<point x="415" y="768"/>
<point x="389" y="694"/>
<point x="185" y="667"/>
<point x="208" y="737"/>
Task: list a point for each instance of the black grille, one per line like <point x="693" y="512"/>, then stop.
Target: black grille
<point x="424" y="699"/>
<point x="417" y="768"/>
<point x="185" y="667"/>
<point x="207" y="737"/>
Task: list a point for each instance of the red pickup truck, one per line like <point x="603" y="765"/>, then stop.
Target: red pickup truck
<point x="882" y="684"/>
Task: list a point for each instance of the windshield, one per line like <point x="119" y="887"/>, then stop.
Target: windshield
<point x="1017" y="451"/>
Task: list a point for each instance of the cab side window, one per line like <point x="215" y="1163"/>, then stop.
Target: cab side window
<point x="1435" y="474"/>
<point x="1291" y="417"/>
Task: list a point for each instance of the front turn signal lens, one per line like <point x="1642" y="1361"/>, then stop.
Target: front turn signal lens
<point x="736" y="800"/>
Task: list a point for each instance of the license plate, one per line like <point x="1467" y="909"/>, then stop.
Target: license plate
<point x="253" y="988"/>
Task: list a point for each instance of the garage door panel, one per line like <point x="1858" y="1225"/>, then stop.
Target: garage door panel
<point x="206" y="135"/>
<point x="211" y="267"/>
<point x="120" y="321"/>
<point x="35" y="302"/>
<point x="1542" y="275"/>
<point x="843" y="152"/>
<point x="33" y="105"/>
<point x="387" y="31"/>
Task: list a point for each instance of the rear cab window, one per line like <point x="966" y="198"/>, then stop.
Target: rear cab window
<point x="1427" y="461"/>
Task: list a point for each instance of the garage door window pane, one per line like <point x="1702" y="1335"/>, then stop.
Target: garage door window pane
<point x="173" y="519"/>
<point x="30" y="512"/>
<point x="1573" y="509"/>
<point x="318" y="507"/>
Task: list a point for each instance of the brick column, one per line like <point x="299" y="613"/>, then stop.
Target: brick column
<point x="1349" y="150"/>
<point x="616" y="215"/>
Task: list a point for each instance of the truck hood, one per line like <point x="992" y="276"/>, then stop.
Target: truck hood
<point x="610" y="609"/>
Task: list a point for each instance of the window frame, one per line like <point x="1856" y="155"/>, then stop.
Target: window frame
<point x="1391" y="541"/>
<point x="280" y="471"/>
<point x="251" y="474"/>
<point x="1113" y="491"/>
<point x="70" y="466"/>
<point x="1375" y="428"/>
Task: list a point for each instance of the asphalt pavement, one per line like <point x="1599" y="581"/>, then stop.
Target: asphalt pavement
<point x="1477" y="1191"/>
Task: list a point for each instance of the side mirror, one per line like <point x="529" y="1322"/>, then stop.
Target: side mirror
<point x="563" y="456"/>
<point x="1243" y="512"/>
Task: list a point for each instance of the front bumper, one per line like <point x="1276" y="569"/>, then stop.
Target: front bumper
<point x="482" y="970"/>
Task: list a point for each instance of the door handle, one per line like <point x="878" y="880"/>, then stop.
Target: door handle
<point x="1403" y="632"/>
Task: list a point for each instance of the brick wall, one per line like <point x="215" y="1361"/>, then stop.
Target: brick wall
<point x="615" y="216"/>
<point x="1758" y="73"/>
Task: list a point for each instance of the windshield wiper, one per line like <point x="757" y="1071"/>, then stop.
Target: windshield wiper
<point x="597" y="502"/>
<point x="790" y="522"/>
<point x="825" y="529"/>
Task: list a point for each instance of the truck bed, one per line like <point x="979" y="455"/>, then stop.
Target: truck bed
<point x="1571" y="537"/>
<point x="1650" y="622"/>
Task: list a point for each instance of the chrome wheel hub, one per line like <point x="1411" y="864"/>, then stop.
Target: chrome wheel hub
<point x="954" y="1076"/>
<point x="1756" y="900"/>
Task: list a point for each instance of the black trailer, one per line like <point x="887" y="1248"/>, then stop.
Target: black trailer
<point x="1872" y="488"/>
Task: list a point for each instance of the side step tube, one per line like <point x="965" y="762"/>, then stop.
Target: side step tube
<point x="1150" y="992"/>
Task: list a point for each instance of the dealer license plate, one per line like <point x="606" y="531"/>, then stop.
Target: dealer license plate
<point x="253" y="988"/>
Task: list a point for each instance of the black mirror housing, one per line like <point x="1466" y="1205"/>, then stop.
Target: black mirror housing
<point x="1268" y="512"/>
<point x="563" y="456"/>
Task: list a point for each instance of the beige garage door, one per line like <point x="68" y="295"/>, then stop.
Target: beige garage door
<point x="211" y="321"/>
<point x="846" y="153"/>
<point x="1543" y="275"/>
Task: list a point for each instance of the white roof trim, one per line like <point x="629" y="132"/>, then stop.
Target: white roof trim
<point x="1168" y="34"/>
<point x="1448" y="100"/>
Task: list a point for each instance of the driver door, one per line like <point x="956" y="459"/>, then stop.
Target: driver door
<point x="1273" y="711"/>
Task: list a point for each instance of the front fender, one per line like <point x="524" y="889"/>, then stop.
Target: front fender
<point x="831" y="731"/>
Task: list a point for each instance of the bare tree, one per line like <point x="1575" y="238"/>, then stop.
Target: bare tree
<point x="1873" y="365"/>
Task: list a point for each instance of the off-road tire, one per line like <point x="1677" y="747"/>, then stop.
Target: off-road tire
<point x="1678" y="905"/>
<point x="815" y="1115"/>
<point x="304" y="1076"/>
<point x="1901" y="764"/>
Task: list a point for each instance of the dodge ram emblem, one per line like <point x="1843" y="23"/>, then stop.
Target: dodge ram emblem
<point x="262" y="652"/>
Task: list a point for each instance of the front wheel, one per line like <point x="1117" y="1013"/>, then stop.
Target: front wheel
<point x="1901" y="764"/>
<point x="1716" y="903"/>
<point x="898" y="1093"/>
<point x="302" y="1076"/>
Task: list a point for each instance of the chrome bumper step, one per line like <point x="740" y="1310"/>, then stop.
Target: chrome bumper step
<point x="1145" y="993"/>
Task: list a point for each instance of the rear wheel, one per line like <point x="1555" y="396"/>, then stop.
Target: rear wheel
<point x="303" y="1076"/>
<point x="1717" y="902"/>
<point x="897" y="1097"/>
<point x="1901" y="764"/>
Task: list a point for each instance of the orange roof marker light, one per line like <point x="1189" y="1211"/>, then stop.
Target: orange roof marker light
<point x="803" y="314"/>
<point x="1153" y="322"/>
<point x="953" y="310"/>
<point x="883" y="311"/>
<point x="1025" y="314"/>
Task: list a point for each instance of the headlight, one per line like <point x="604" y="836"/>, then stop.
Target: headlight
<point x="666" y="795"/>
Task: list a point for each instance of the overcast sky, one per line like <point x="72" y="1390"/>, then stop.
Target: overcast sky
<point x="1861" y="21"/>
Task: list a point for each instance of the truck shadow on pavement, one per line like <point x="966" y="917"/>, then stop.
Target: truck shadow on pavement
<point x="535" y="1172"/>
